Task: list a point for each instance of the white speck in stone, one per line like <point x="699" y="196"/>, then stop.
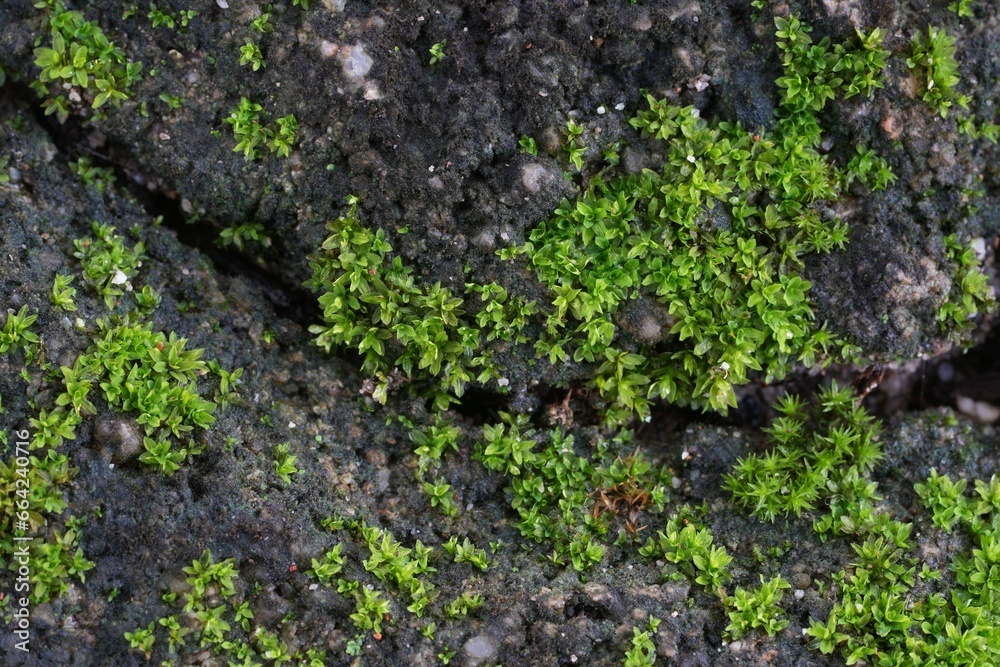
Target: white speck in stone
<point x="532" y="176"/>
<point x="357" y="63"/>
<point x="328" y="49"/>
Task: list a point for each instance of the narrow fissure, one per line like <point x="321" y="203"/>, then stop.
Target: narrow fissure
<point x="292" y="302"/>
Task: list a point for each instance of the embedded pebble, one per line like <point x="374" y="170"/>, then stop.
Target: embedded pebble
<point x="121" y="437"/>
<point x="532" y="176"/>
<point x="357" y="63"/>
<point x="479" y="650"/>
<point x="981" y="411"/>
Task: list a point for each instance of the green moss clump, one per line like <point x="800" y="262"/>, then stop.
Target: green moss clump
<point x="717" y="238"/>
<point x="571" y="500"/>
<point x="822" y="457"/>
<point x="970" y="295"/>
<point x="933" y="59"/>
<point x="80" y="56"/>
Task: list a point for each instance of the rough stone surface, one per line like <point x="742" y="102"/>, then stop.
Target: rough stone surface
<point x="434" y="149"/>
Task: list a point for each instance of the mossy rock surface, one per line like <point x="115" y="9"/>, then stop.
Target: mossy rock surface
<point x="434" y="148"/>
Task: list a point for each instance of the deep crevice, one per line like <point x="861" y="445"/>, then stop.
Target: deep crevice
<point x="292" y="302"/>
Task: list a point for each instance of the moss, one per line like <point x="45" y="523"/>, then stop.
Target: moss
<point x="718" y="238"/>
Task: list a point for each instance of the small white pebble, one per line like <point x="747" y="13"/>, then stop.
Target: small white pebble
<point x="291" y="424"/>
<point x="119" y="278"/>
<point x="222" y="3"/>
<point x="620" y="106"/>
<point x="799" y="594"/>
<point x="601" y="110"/>
<point x="685" y="455"/>
<point x="690" y="159"/>
<point x="503" y="382"/>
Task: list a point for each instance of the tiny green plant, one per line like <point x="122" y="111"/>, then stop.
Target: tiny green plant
<point x="757" y="609"/>
<point x="933" y="59"/>
<point x="250" y="134"/>
<point x="108" y="265"/>
<point x="463" y="604"/>
<point x="689" y="551"/>
<point x="250" y="54"/>
<point x="16" y="332"/>
<point x="63" y="293"/>
<point x="970" y="295"/>
<point x="963" y="8"/>
<point x="284" y="463"/>
<point x="243" y="234"/>
<point x="286" y="136"/>
<point x="262" y="23"/>
<point x="371" y="610"/>
<point x="437" y="52"/>
<point x="172" y="101"/>
<point x="575" y="146"/>
<point x="441" y="495"/>
<point x="466" y="552"/>
<point x="811" y="465"/>
<point x="642" y="652"/>
<point x="101" y="178"/>
<point x="159" y="454"/>
<point x="332" y="564"/>
<point x="158" y="17"/>
<point x="142" y="639"/>
<point x="870" y="169"/>
<point x="528" y="145"/>
<point x="80" y="57"/>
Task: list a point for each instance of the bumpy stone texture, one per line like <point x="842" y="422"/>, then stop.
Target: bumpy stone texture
<point x="435" y="148"/>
